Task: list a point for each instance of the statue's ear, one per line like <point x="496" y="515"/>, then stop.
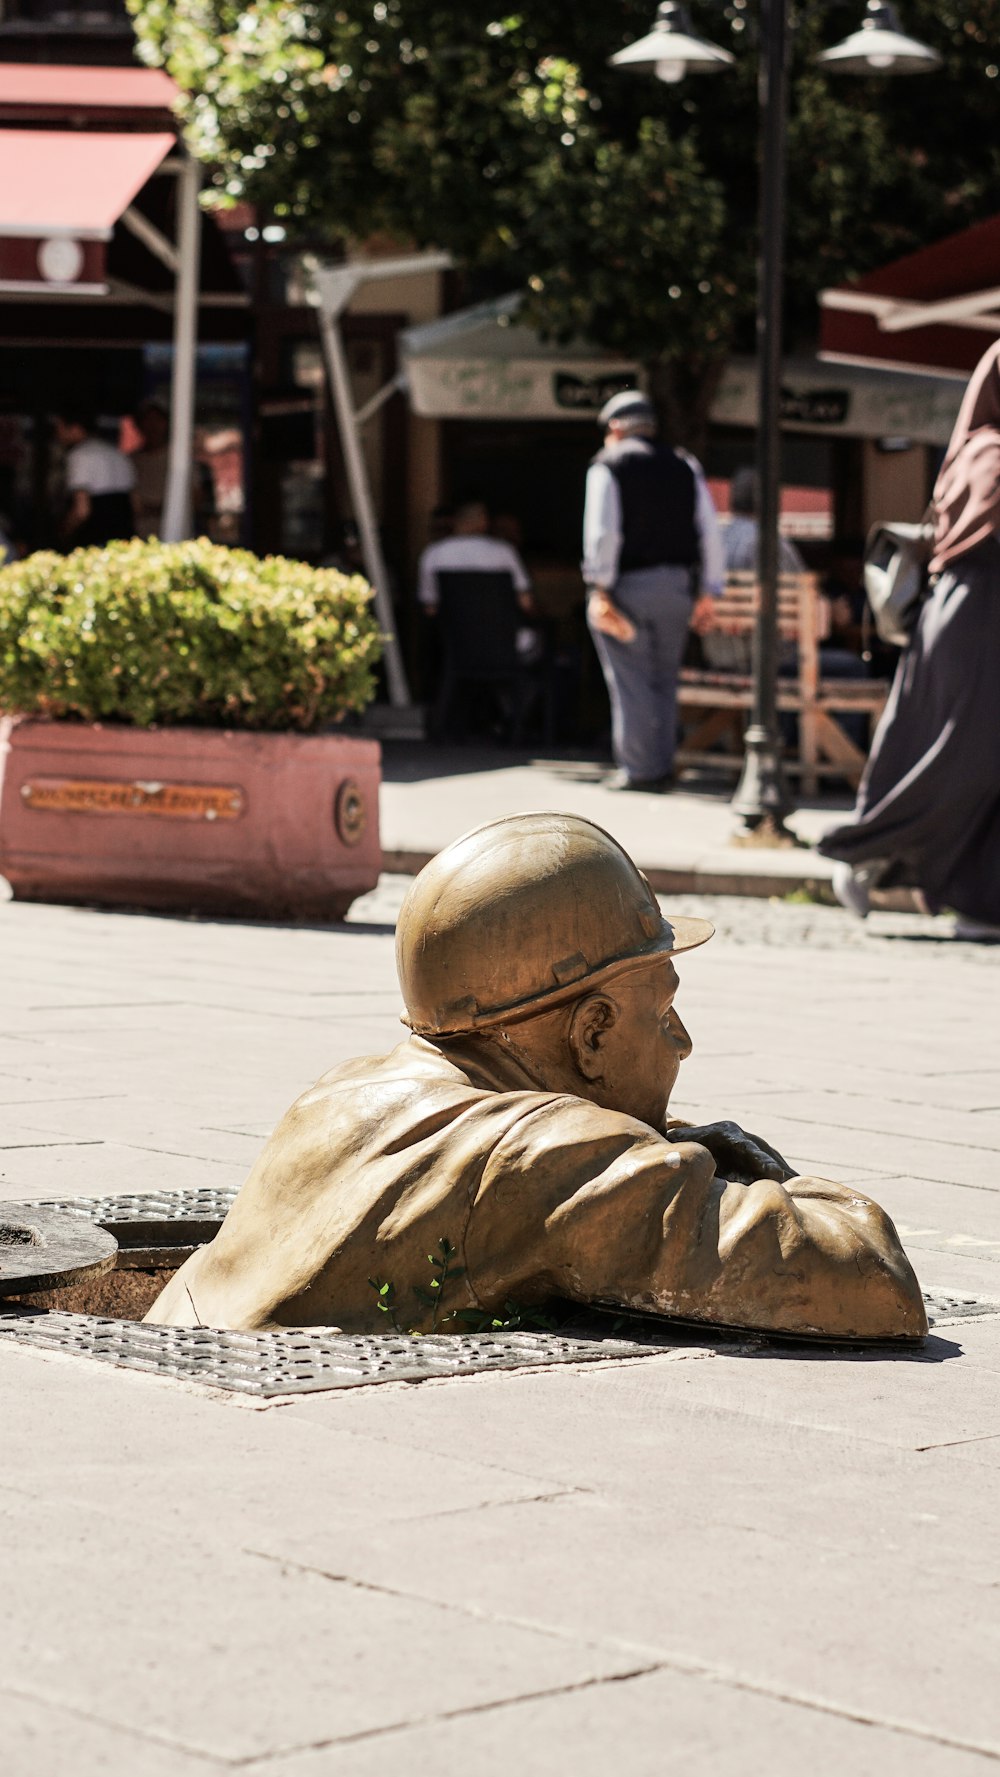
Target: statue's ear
<point x="591" y="1020"/>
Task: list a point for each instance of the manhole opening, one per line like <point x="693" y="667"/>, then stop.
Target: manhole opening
<point x="148" y="1252"/>
<point x="96" y="1316"/>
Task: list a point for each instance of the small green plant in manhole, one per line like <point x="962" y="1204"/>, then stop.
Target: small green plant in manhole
<point x="473" y="1320"/>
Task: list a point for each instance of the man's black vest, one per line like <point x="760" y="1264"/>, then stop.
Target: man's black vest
<point x="658" y="496"/>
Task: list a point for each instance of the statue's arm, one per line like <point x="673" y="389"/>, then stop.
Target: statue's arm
<point x="738" y="1156"/>
<point x="583" y="1203"/>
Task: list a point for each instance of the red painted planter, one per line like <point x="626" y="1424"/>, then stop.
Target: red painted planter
<point x="199" y="819"/>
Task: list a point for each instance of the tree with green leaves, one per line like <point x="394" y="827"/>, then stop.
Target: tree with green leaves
<point x="624" y="207"/>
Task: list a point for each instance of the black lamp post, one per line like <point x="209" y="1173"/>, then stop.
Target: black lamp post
<point x="670" y="50"/>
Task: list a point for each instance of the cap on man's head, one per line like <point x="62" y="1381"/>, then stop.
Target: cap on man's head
<point x="630" y="408"/>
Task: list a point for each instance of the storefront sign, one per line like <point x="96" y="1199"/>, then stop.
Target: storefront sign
<point x="179" y="802"/>
<point x="815" y="407"/>
<point x="587" y="394"/>
<point x="846" y="400"/>
<point x="513" y="388"/>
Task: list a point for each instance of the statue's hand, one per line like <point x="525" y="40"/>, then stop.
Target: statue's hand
<point x="737" y="1155"/>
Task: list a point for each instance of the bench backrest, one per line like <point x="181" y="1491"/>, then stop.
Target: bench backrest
<point x="801" y="609"/>
<point x="803" y="617"/>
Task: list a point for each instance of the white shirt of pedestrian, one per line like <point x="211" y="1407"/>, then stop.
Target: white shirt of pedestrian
<point x="468" y="555"/>
<point x="94" y="467"/>
<point x="602" y="529"/>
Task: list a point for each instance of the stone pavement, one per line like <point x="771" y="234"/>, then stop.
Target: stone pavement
<point x="727" y="1560"/>
<point x="683" y="841"/>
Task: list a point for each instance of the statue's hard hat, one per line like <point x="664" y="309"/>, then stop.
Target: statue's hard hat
<point x="522" y="915"/>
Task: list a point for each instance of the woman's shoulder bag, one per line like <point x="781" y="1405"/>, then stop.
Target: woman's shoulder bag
<point x="895" y="576"/>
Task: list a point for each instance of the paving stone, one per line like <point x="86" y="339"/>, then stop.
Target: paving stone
<point x="659" y="1722"/>
<point x="98" y="1168"/>
<point x="764" y="1425"/>
<point x="45" y="1740"/>
<point x="166" y="1455"/>
<point x="810" y="1144"/>
<point x="822" y="1528"/>
<point x="229" y="1654"/>
<point x="860" y="1633"/>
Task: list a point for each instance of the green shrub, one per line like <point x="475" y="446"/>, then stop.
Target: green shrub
<point x="173" y="633"/>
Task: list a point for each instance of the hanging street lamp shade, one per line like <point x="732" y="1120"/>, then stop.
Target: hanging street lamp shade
<point x="672" y="48"/>
<point x="880" y="47"/>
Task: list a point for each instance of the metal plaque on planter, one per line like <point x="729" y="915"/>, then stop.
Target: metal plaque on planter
<point x="179" y="802"/>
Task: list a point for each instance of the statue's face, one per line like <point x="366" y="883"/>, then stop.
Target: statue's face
<point x="644" y="1050"/>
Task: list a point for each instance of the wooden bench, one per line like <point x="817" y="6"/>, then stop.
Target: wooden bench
<point x="723" y="689"/>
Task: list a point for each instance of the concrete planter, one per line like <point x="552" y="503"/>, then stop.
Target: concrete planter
<point x="193" y="819"/>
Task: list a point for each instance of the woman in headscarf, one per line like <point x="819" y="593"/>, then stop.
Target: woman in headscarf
<point x="928" y="810"/>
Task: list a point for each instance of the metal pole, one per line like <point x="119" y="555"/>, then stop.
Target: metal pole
<point x="361" y="500"/>
<point x="762" y="800"/>
<point x="175" y="522"/>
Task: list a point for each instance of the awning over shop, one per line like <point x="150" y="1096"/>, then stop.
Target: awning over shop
<point x="482" y="363"/>
<point x="73" y="182"/>
<point x="843" y="400"/>
<point x="77" y="146"/>
<point x="47" y="87"/>
<point x="61" y="193"/>
<point x="934" y="310"/>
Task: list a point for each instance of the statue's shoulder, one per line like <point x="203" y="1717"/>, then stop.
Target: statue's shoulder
<point x="553" y="1119"/>
<point x="369" y="1091"/>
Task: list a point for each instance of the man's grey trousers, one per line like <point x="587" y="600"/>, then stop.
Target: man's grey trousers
<point x="642" y="675"/>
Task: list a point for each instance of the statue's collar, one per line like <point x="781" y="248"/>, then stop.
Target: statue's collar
<point x="487" y="1062"/>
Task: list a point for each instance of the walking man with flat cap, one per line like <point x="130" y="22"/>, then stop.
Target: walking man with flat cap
<point x="653" y="560"/>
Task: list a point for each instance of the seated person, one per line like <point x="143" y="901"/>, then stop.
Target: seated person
<point x="524" y="1123"/>
<point x="99" y="483"/>
<point x="470" y="549"/>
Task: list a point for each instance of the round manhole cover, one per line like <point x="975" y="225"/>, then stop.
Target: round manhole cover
<point x="44" y="1249"/>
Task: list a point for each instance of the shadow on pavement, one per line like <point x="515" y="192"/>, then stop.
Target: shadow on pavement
<point x="416" y="762"/>
<point x="671" y="1335"/>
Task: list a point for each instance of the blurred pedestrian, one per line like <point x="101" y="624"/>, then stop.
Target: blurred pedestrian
<point x="150" y="464"/>
<point x="470" y="550"/>
<point x="99" y="480"/>
<point x="741" y="535"/>
<point x="653" y="561"/>
<point x="928" y="810"/>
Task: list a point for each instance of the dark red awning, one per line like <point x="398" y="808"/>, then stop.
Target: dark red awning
<point x="934" y="310"/>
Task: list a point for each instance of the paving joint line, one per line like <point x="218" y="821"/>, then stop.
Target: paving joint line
<point x="470" y="1709"/>
<point x="44" y="1700"/>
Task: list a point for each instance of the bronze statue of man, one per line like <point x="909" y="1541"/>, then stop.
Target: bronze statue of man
<point x="522" y="1130"/>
